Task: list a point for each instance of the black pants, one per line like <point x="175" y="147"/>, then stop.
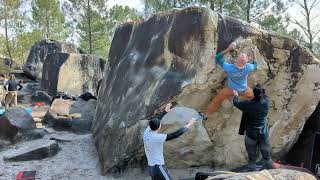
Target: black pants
<point x="159" y="173"/>
<point x="264" y="146"/>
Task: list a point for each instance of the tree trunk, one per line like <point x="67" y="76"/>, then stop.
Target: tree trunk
<point x="248" y="11"/>
<point x="47" y="35"/>
<point x="7" y="40"/>
<point x="220" y="6"/>
<point x="310" y="35"/>
<point x="212" y="5"/>
<point x="89" y="24"/>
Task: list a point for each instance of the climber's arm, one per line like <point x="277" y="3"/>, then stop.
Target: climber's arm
<point x="253" y="66"/>
<point x="220" y="56"/>
<point x="242" y="105"/>
<point x="181" y="131"/>
<point x="165" y="111"/>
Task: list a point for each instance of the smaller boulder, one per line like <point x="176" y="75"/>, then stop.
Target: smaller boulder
<point x="188" y="150"/>
<point x="15" y="120"/>
<point x="71" y="115"/>
<point x="41" y="96"/>
<point x="273" y="174"/>
<point x="32" y="150"/>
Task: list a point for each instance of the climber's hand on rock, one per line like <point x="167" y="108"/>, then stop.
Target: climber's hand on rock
<point x="232" y="46"/>
<point x="235" y="93"/>
<point x="213" y="55"/>
<point x="191" y="123"/>
<point x="254" y="51"/>
<point x="168" y="107"/>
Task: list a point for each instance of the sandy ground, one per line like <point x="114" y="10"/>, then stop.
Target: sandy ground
<point x="78" y="160"/>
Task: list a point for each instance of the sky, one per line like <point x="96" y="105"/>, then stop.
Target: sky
<point x="293" y="11"/>
<point x="139" y="5"/>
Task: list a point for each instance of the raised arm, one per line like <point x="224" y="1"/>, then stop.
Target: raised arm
<point x="254" y="61"/>
<point x="181" y="131"/>
<point x="219" y="57"/>
<point x="165" y="111"/>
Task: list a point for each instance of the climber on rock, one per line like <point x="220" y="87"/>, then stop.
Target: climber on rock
<point x="237" y="77"/>
<point x="153" y="145"/>
<point x="255" y="126"/>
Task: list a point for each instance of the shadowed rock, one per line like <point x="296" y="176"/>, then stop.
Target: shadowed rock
<point x="71" y="115"/>
<point x="72" y="73"/>
<point x="32" y="150"/>
<point x="39" y="52"/>
<point x="41" y="96"/>
<point x="15" y="120"/>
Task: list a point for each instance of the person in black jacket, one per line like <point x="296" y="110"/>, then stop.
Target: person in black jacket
<point x="153" y="145"/>
<point x="12" y="87"/>
<point x="254" y="124"/>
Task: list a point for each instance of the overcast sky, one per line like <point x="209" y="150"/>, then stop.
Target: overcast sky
<point x="137" y="4"/>
<point x="293" y="11"/>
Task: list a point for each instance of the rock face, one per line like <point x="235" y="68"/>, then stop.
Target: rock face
<point x="275" y="174"/>
<point x="189" y="150"/>
<point x="169" y="58"/>
<point x="39" y="52"/>
<point x="15" y="120"/>
<point x="72" y="73"/>
<point x="32" y="150"/>
<point x="71" y="115"/>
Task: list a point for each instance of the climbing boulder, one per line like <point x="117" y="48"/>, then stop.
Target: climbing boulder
<point x="72" y="73"/>
<point x="38" y="53"/>
<point x="169" y="57"/>
<point x="15" y="120"/>
<point x="71" y="115"/>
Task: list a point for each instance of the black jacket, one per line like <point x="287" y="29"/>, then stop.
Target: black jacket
<point x="254" y="117"/>
<point x="12" y="85"/>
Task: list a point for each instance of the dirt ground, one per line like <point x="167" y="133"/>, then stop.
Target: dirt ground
<point x="77" y="160"/>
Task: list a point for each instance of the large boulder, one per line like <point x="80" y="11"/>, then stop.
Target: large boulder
<point x="71" y="115"/>
<point x="15" y="120"/>
<point x="169" y="58"/>
<point x="38" y="53"/>
<point x="72" y="73"/>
